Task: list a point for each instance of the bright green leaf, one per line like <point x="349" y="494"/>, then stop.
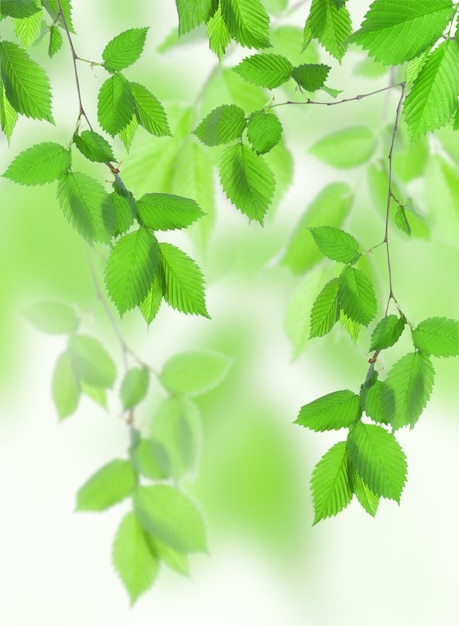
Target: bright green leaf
<point x="373" y="403"/>
<point x="147" y="461"/>
<point x="8" y="115"/>
<point x="91" y="362"/>
<point x="125" y="212"/>
<point x="365" y="496"/>
<point x="192" y="13"/>
<point x="247" y="21"/>
<point x="331" y="489"/>
<point x="356" y="295"/>
<point x="65" y="387"/>
<point x="311" y="76"/>
<point x="53" y="9"/>
<point x="150" y="306"/>
<point x="110" y="485"/>
<point x="134" y="387"/>
<point x="218" y="34"/>
<point x="115" y="104"/>
<point x="28" y="29"/>
<point x="264" y="131"/>
<point x="161" y="211"/>
<point x="124" y="49"/>
<point x="149" y="111"/>
<point x="333" y="411"/>
<point x="438" y="336"/>
<point x="222" y="125"/>
<point x="40" y="164"/>
<point x="336" y="244"/>
<point x="55" y="318"/>
<point x="94" y="147"/>
<point x="55" y="41"/>
<point x="330" y="26"/>
<point x="345" y="148"/>
<point x="19" y="8"/>
<point x="265" y="70"/>
<point x="387" y="332"/>
<point x="325" y="310"/>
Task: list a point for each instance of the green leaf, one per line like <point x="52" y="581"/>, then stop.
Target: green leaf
<point x="297" y="321"/>
<point x="110" y="485"/>
<point x="131" y="268"/>
<point x="288" y="40"/>
<point x="325" y="310"/>
<point x="387" y="332"/>
<point x="173" y="559"/>
<point x="150" y="306"/>
<point x="115" y="104"/>
<point x="218" y="34"/>
<point x="433" y="97"/>
<point x="193" y="13"/>
<point x="147" y="461"/>
<point x="356" y="295"/>
<point x="53" y="9"/>
<point x="86" y="206"/>
<point x="91" y="362"/>
<point x="346" y="148"/>
<point x="183" y="281"/>
<point x="311" y="76"/>
<point x="247" y="181"/>
<point x="94" y="147"/>
<point x="395" y="31"/>
<point x="264" y="131"/>
<point x="373" y="403"/>
<point x="333" y="411"/>
<point x="40" y="164"/>
<point x="331" y="488"/>
<point x="125" y="212"/>
<point x="134" y="387"/>
<point x="149" y="111"/>
<point x="55" y="41"/>
<point x="134" y="560"/>
<point x="401" y="221"/>
<point x="54" y="318"/>
<point x="378" y="459"/>
<point x="330" y="206"/>
<point x="8" y="115"/>
<point x="222" y="125"/>
<point x="172" y="517"/>
<point x="19" y="8"/>
<point x="352" y="328"/>
<point x="26" y="84"/>
<point x="265" y="70"/>
<point x="97" y="394"/>
<point x="336" y="244"/>
<point x="162" y="211"/>
<point x="247" y="22"/>
<point x="124" y="49"/>
<point x="438" y="336"/>
<point x="407" y="389"/>
<point x="127" y="134"/>
<point x="365" y="496"/>
<point x="194" y="373"/>
<point x="330" y="26"/>
<point x="28" y="29"/>
<point x="65" y="387"/>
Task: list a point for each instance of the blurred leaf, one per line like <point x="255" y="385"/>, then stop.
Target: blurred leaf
<point x="193" y="373"/>
<point x="110" y="485"/>
<point x="134" y="387"/>
<point x="346" y="148"/>
<point x="91" y="361"/>
<point x="55" y="318"/>
<point x="65" y="387"/>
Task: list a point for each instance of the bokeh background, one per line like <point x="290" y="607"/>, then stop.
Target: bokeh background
<point x="266" y="562"/>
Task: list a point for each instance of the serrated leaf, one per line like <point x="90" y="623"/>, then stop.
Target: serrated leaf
<point x="19" y="8"/>
<point x="438" y="336"/>
<point x="91" y="362"/>
<point x="247" y="22"/>
<point x="333" y="411"/>
<point x="128" y="132"/>
<point x="325" y="310"/>
<point x="134" y="559"/>
<point x="330" y="26"/>
<point x="172" y="517"/>
<point x="356" y="295"/>
<point x="28" y="29"/>
<point x="387" y="332"/>
<point x="345" y="148"/>
<point x="110" y="485"/>
<point x="8" y="115"/>
<point x="433" y="97"/>
<point x="365" y="496"/>
<point x="26" y="84"/>
<point x="331" y="489"/>
<point x="352" y="328"/>
<point x="247" y="181"/>
<point x="150" y="306"/>
<point x="134" y="387"/>
<point x="407" y="389"/>
<point x="124" y="49"/>
<point x="54" y="318"/>
<point x="149" y="111"/>
<point x="311" y="76"/>
<point x="194" y="373"/>
<point x="65" y="387"/>
<point x="41" y="164"/>
<point x="53" y="9"/>
<point x="222" y="125"/>
<point x="86" y="206"/>
<point x="125" y="212"/>
<point x="192" y="14"/>
<point x="162" y="211"/>
<point x="336" y="244"/>
<point x="55" y="41"/>
<point x="94" y="147"/>
<point x="373" y="403"/>
<point x="218" y="34"/>
<point x="396" y="31"/>
<point x="131" y="268"/>
<point x="401" y="221"/>
<point x="265" y="70"/>
<point x="378" y="459"/>
<point x="115" y="104"/>
<point x="264" y="131"/>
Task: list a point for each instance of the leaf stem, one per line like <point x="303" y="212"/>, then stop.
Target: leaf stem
<point x="334" y="103"/>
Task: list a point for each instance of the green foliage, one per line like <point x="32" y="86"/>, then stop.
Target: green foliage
<point x="311" y="76"/>
<point x="90" y="361"/>
<point x="19" y="8"/>
<point x="387" y="332"/>
<point x="265" y="70"/>
<point x="149" y="111"/>
<point x="330" y="25"/>
<point x="134" y="387"/>
<point x="222" y="125"/>
<point x="356" y="295"/>
<point x="437" y="336"/>
<point x="264" y="131"/>
<point x="65" y="386"/>
<point x="336" y="244"/>
<point x="115" y="106"/>
<point x="124" y="49"/>
<point x="247" y="22"/>
<point x="331" y="488"/>
<point x="27" y="29"/>
<point x="94" y="147"/>
<point x="218" y="33"/>
<point x="161" y="211"/>
<point x="339" y="409"/>
<point x="325" y="310"/>
<point x="346" y="148"/>
<point x="192" y="14"/>
<point x="55" y="41"/>
<point x="110" y="485"/>
<point x="41" y="164"/>
<point x="194" y="373"/>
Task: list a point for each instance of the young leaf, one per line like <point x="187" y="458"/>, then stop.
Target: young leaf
<point x="115" y="104"/>
<point x="247" y="22"/>
<point x="331" y="488"/>
<point x="124" y="49"/>
<point x="91" y="362"/>
<point x="356" y="295"/>
<point x="218" y="34"/>
<point x="407" y="389"/>
<point x="396" y="31"/>
<point x="19" y="8"/>
<point x="162" y="211"/>
<point x="365" y="496"/>
<point x="325" y="310"/>
<point x="94" y="147"/>
<point x="346" y="148"/>
<point x="133" y="558"/>
<point x="330" y="25"/>
<point x="264" y="131"/>
<point x="401" y="221"/>
<point x="28" y="29"/>
<point x="172" y="517"/>
<point x="149" y="111"/>
<point x="336" y="244"/>
<point x="387" y="332"/>
<point x="26" y="84"/>
<point x="40" y="164"/>
<point x="336" y="410"/>
<point x="111" y="484"/>
<point x="247" y="181"/>
<point x="55" y="41"/>
<point x="378" y="459"/>
<point x="265" y="70"/>
<point x="222" y="125"/>
<point x="192" y="14"/>
<point x="134" y="387"/>
<point x="438" y="336"/>
<point x="150" y="306"/>
<point x="65" y="387"/>
<point x="55" y="318"/>
<point x="433" y="97"/>
<point x="311" y="76"/>
<point x="183" y="281"/>
<point x="194" y="373"/>
<point x="131" y="268"/>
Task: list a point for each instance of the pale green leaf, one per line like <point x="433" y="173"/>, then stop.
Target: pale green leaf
<point x="350" y="326"/>
<point x="110" y="485"/>
<point x="28" y="29"/>
<point x="311" y="76"/>
<point x="387" y="332"/>
<point x="161" y="211"/>
<point x="440" y="184"/>
<point x="65" y="387"/>
<point x="53" y="9"/>
<point x="356" y="295"/>
<point x="336" y="244"/>
<point x="124" y="49"/>
<point x="222" y="125"/>
<point x="325" y="310"/>
<point x="54" y="318"/>
<point x="134" y="387"/>
<point x="147" y="461"/>
<point x="247" y="22"/>
<point x="150" y="306"/>
<point x="330" y="26"/>
<point x="97" y="394"/>
<point x="177" y="561"/>
<point x="365" y="496"/>
<point x="8" y="115"/>
<point x="346" y="148"/>
<point x="40" y="164"/>
<point x="333" y="411"/>
<point x="438" y="336"/>
<point x="94" y="147"/>
<point x="91" y="361"/>
<point x="194" y="373"/>
<point x="264" y="131"/>
<point x="149" y="111"/>
<point x="331" y="488"/>
<point x="265" y="70"/>
<point x="115" y="104"/>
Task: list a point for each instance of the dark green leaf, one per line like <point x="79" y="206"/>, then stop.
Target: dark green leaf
<point x="111" y="484"/>
<point x="125" y="212"/>
<point x="387" y="332"/>
<point x="331" y="488"/>
<point x="247" y="21"/>
<point x="19" y="8"/>
<point x="40" y="164"/>
<point x="336" y="410"/>
<point x="373" y="403"/>
<point x="124" y="49"/>
<point x="53" y="9"/>
<point x="365" y="496"/>
<point x="55" y="41"/>
<point x="192" y="14"/>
